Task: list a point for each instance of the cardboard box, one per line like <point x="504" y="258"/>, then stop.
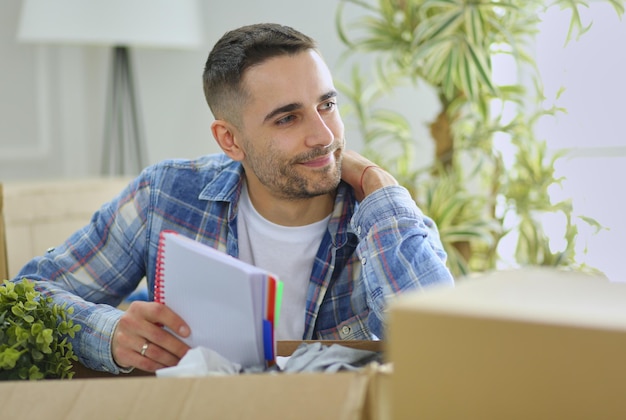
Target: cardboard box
<point x="527" y="344"/>
<point x="301" y="396"/>
<point x="343" y="395"/>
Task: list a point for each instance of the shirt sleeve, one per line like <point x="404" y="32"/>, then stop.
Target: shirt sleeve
<point x="95" y="269"/>
<point x="399" y="249"/>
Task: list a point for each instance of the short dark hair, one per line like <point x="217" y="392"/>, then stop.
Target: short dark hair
<point x="237" y="51"/>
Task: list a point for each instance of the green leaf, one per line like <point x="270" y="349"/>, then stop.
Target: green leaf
<point x="448" y="84"/>
<point x="34" y="373"/>
<point x="468" y="81"/>
<point x="618" y="5"/>
<point x="37" y="355"/>
<point x="440" y="26"/>
<point x="474" y="24"/>
<point x="482" y="68"/>
<point x="36" y="328"/>
<point x="592" y="222"/>
<point x="18" y="311"/>
<point x="9" y="357"/>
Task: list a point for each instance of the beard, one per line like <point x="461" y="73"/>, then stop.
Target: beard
<point x="287" y="178"/>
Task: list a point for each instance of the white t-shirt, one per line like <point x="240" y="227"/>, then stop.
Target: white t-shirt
<point x="286" y="251"/>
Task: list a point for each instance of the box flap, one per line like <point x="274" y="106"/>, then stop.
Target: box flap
<point x="535" y="294"/>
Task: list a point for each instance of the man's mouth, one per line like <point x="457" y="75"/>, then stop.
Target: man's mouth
<point x="320" y="161"/>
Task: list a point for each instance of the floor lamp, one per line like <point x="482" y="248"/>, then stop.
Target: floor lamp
<point x="119" y="24"/>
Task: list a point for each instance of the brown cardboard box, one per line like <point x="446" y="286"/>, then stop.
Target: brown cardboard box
<point x="527" y="344"/>
<point x="262" y="396"/>
<point x="344" y="395"/>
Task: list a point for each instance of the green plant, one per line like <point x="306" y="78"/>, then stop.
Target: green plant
<point x="450" y="45"/>
<point x="33" y="334"/>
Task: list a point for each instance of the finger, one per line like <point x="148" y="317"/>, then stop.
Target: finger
<point x="158" y="355"/>
<point x="151" y="357"/>
<point x="354" y="171"/>
<point x="158" y="313"/>
<point x="160" y="322"/>
<point x="352" y="166"/>
<point x="146" y="361"/>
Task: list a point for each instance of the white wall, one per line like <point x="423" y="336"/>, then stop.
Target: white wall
<point x="592" y="69"/>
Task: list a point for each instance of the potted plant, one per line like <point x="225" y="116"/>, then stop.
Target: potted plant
<point x="33" y="334"/>
<point x="476" y="197"/>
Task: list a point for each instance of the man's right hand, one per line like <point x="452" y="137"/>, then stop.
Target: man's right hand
<point x="140" y="330"/>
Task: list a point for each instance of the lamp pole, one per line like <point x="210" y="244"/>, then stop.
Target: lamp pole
<point x="124" y="144"/>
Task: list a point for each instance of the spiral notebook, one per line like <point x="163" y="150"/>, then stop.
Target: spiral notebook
<point x="232" y="307"/>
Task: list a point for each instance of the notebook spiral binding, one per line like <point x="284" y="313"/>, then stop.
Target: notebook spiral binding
<point x="159" y="292"/>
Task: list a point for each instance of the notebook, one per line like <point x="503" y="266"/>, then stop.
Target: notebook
<point x="232" y="307"/>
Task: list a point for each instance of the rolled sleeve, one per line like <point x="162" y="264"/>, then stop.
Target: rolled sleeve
<point x="393" y="202"/>
<point x="399" y="250"/>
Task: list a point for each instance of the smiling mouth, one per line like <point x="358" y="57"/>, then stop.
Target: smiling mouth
<point x="320" y="161"/>
<point x="323" y="160"/>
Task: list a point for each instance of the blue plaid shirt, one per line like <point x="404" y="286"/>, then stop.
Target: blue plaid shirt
<point x="371" y="251"/>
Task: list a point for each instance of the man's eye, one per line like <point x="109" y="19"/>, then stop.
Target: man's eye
<point x="329" y="106"/>
<point x="285" y="120"/>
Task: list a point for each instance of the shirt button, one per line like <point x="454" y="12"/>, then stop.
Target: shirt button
<point x="363" y="261"/>
<point x="346" y="329"/>
<point x="358" y="230"/>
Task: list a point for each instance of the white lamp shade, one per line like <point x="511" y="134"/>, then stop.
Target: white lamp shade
<point x="139" y="23"/>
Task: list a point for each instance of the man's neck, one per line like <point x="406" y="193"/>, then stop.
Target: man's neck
<point x="291" y="212"/>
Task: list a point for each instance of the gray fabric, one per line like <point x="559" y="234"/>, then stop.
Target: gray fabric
<point x="315" y="357"/>
<point x="308" y="357"/>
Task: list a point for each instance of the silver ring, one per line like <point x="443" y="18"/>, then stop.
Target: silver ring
<point x="144" y="349"/>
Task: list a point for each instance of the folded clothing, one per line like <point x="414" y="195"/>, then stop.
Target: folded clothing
<point x="316" y="357"/>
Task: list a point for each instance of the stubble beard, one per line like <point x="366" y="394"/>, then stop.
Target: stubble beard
<point x="287" y="180"/>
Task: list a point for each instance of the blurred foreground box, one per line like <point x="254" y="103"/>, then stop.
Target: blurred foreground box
<point x="527" y="344"/>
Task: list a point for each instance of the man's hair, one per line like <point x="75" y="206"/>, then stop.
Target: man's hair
<point x="236" y="52"/>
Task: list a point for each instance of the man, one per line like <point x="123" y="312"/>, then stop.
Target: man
<point x="285" y="195"/>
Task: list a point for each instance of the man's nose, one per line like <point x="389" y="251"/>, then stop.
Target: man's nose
<point x="319" y="133"/>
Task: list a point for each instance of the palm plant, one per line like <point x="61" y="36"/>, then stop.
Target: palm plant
<point x="470" y="190"/>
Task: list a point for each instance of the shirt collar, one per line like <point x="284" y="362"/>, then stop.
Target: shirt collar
<point x="226" y="182"/>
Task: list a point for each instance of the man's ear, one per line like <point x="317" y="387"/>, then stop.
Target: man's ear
<point x="226" y="136"/>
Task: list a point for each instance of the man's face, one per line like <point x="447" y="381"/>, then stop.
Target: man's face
<point x="291" y="132"/>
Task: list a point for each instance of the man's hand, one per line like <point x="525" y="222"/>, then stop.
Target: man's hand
<point x="363" y="174"/>
<point x="141" y="341"/>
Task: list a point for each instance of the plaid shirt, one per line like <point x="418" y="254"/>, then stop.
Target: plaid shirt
<point x="371" y="251"/>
